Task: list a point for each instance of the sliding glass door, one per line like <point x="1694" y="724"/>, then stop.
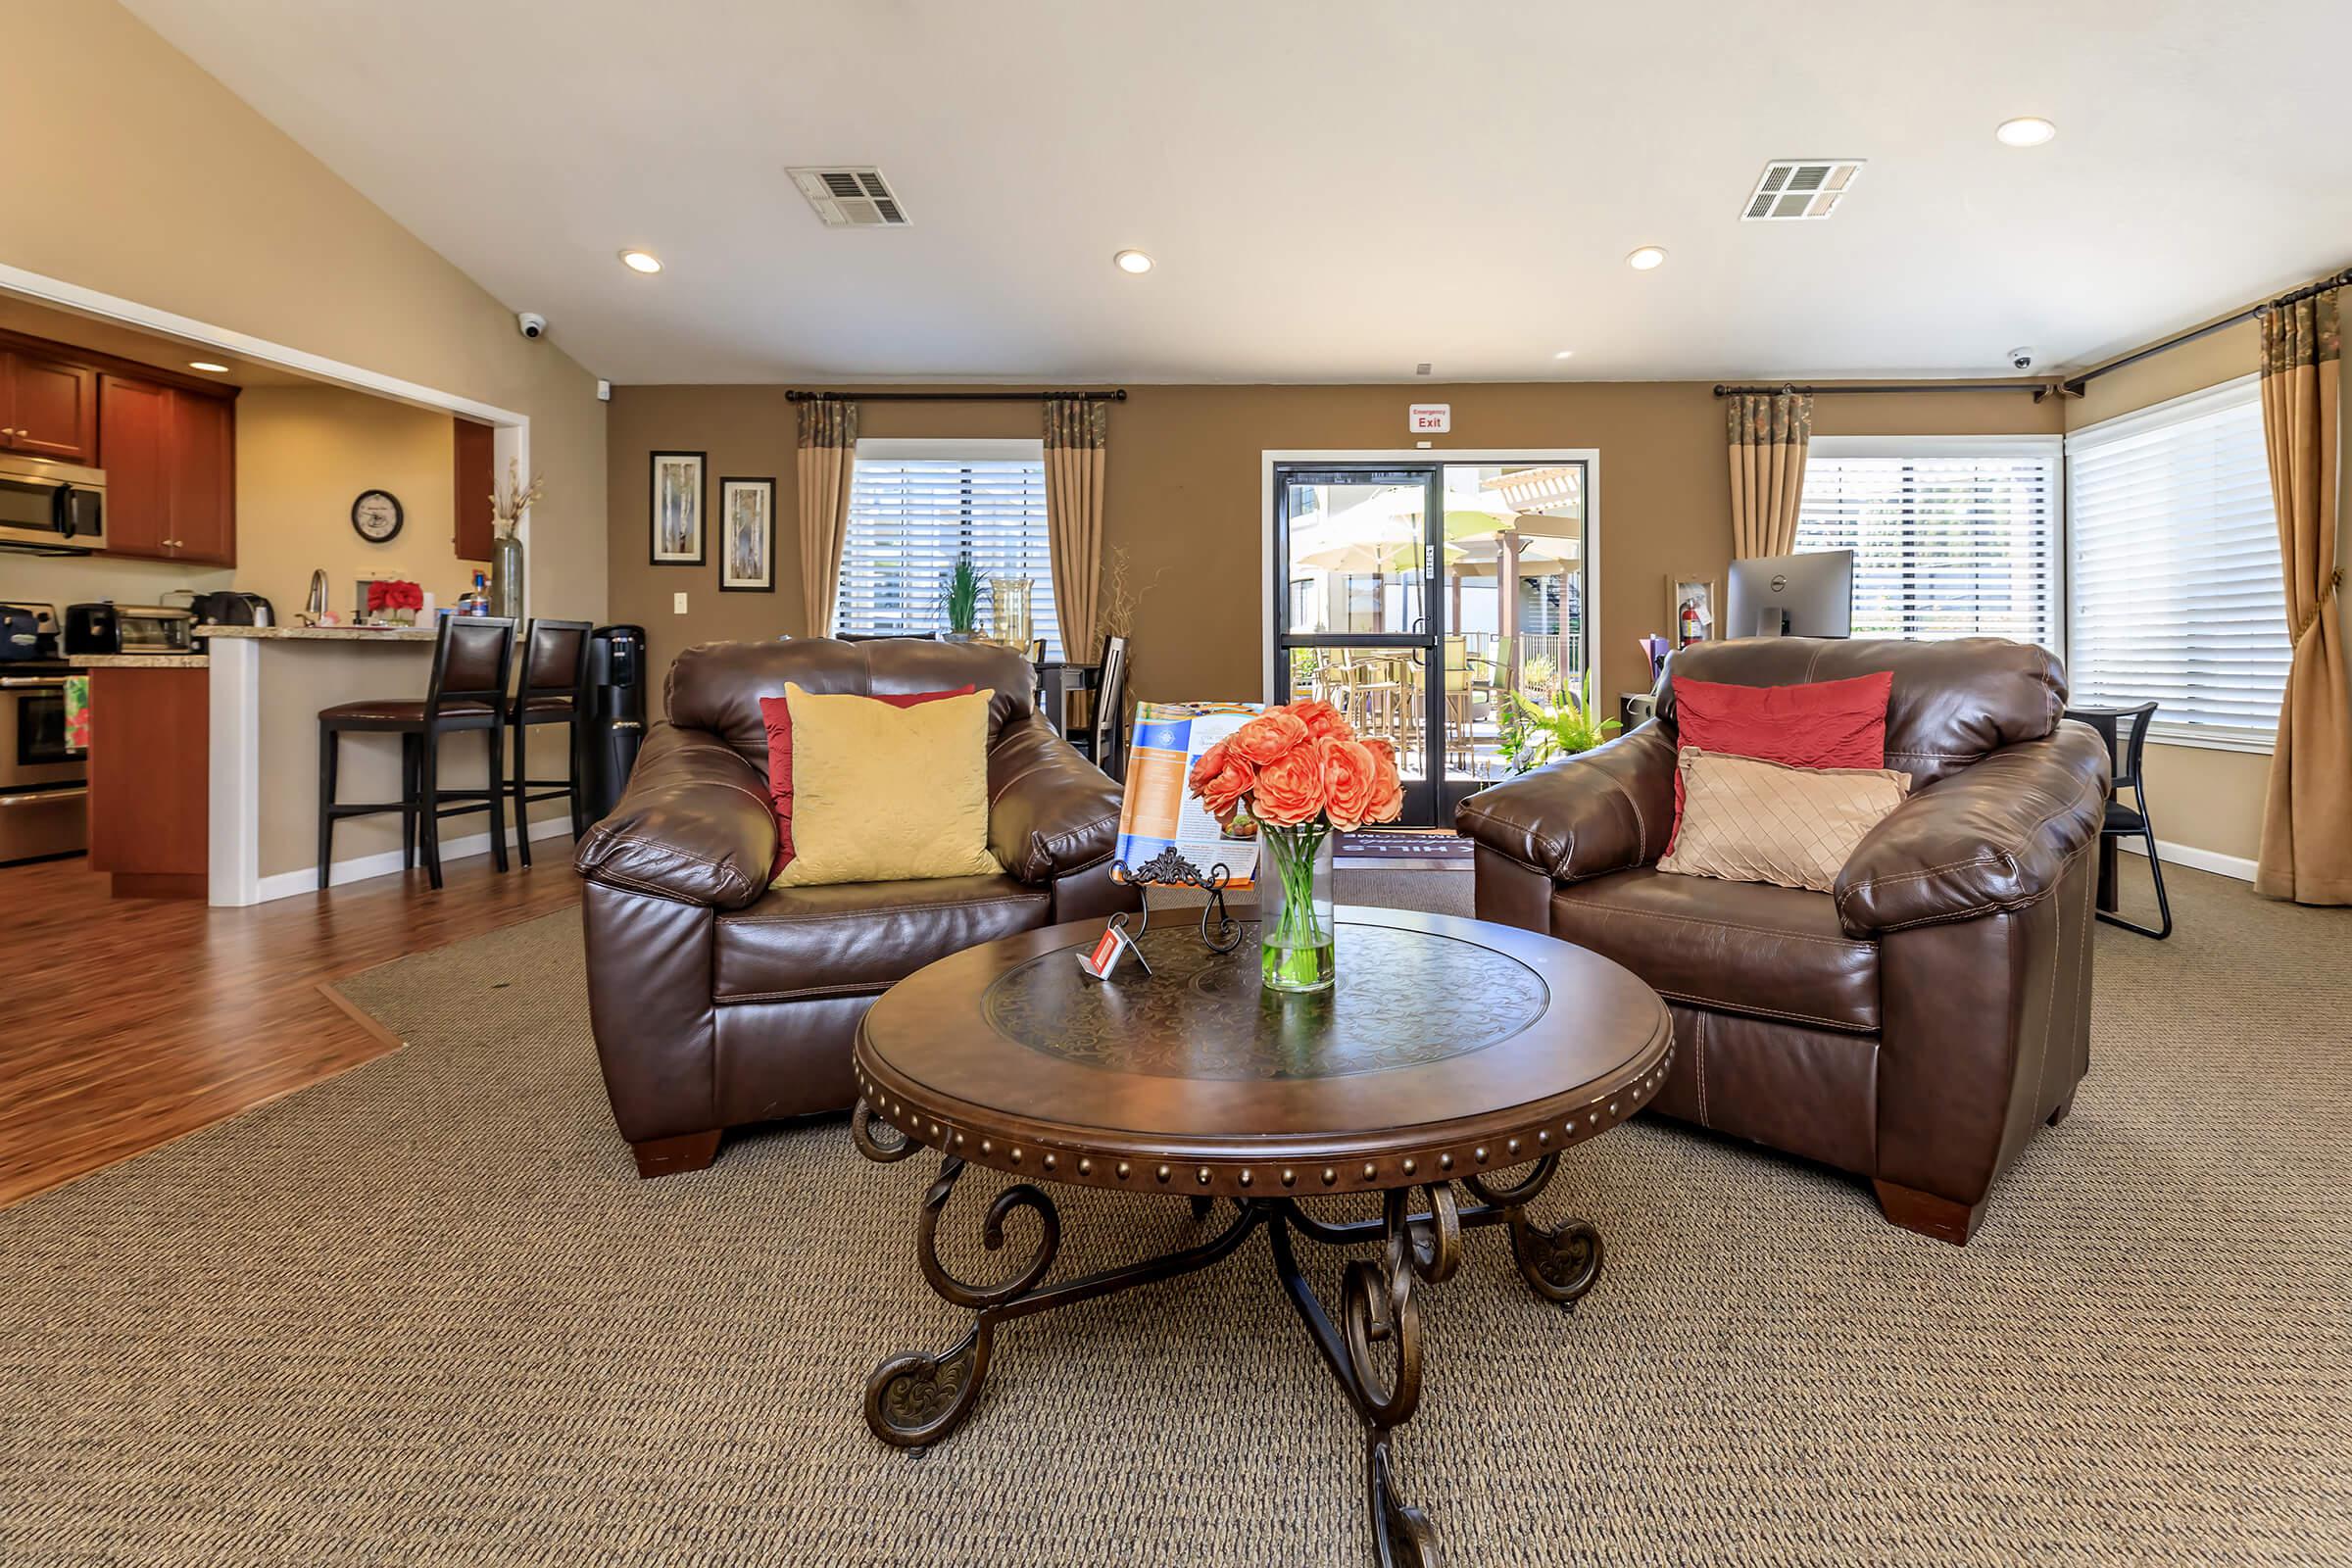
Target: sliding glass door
<point x="1434" y="605"/>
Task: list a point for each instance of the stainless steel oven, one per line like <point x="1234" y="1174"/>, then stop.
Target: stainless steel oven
<point x="51" y="507"/>
<point x="44" y="782"/>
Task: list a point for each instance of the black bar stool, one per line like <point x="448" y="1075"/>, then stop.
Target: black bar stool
<point x="553" y="690"/>
<point x="471" y="661"/>
<point x="2126" y="747"/>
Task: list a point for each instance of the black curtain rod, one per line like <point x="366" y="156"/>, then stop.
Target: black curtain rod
<point x="795" y="396"/>
<point x="2037" y="387"/>
<point x="2074" y="385"/>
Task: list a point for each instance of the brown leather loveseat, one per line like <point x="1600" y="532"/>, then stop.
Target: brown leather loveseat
<point x="717" y="1001"/>
<point x="1915" y="1025"/>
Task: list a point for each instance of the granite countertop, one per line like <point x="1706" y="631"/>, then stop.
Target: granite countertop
<point x="324" y="634"/>
<point x="141" y="661"/>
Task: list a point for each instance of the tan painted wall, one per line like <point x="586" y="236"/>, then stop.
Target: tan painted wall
<point x="303" y="455"/>
<point x="177" y="195"/>
<point x="1185" y="494"/>
<point x="2205" y="799"/>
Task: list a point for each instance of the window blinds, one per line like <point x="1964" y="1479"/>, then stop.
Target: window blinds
<point x="1959" y="542"/>
<point x="2176" y="587"/>
<point x="911" y="519"/>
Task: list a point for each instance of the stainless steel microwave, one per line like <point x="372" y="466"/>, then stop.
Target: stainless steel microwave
<point x="51" y="507"/>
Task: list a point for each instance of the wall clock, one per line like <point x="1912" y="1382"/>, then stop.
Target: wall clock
<point x="375" y="515"/>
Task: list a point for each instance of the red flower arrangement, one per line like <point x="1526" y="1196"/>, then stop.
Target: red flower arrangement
<point x="1299" y="765"/>
<point x="386" y="594"/>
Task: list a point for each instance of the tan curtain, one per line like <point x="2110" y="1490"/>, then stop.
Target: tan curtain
<point x="1769" y="434"/>
<point x="828" y="457"/>
<point x="1077" y="431"/>
<point x="2307" y="820"/>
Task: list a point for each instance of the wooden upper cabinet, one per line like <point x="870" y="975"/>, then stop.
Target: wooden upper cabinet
<point x="203" y="479"/>
<point x="48" y="409"/>
<point x="170" y="472"/>
<point x="137" y="417"/>
<point x="476" y="477"/>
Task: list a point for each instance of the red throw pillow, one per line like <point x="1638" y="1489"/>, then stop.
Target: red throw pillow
<point x="1824" y="723"/>
<point x="778" y="718"/>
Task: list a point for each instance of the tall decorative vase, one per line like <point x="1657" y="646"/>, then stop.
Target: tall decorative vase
<point x="506" y="575"/>
<point x="1009" y="612"/>
<point x="1296" y="925"/>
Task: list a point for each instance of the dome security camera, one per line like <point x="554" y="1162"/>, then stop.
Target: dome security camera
<point x="2021" y="358"/>
<point x="531" y="324"/>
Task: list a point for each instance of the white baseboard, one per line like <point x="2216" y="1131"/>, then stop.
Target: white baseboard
<point x="286" y="884"/>
<point x="2196" y="859"/>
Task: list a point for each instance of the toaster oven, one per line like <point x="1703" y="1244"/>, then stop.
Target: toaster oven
<point x="107" y="627"/>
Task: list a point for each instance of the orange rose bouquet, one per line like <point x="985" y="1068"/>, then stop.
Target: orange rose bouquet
<point x="1300" y="773"/>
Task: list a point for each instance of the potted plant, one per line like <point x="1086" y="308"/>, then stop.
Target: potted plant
<point x="1302" y="776"/>
<point x="1534" y="734"/>
<point x="962" y="600"/>
<point x="395" y="601"/>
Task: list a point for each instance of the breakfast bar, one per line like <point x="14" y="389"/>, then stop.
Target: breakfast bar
<point x="267" y="686"/>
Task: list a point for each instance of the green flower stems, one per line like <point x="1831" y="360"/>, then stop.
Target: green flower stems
<point x="1297" y="953"/>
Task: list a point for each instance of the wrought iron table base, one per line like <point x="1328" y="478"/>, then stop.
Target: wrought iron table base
<point x="1374" y="1350"/>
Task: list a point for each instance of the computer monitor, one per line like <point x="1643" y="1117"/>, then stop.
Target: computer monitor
<point x="1811" y="595"/>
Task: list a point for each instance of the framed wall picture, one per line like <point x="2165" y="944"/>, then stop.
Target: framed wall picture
<point x="678" y="498"/>
<point x="746" y="537"/>
<point x="1692" y="609"/>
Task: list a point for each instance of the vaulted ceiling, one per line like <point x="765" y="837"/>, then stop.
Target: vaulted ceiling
<point x="1332" y="190"/>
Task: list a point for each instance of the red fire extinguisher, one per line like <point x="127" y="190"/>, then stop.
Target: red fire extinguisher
<point x="1691" y="629"/>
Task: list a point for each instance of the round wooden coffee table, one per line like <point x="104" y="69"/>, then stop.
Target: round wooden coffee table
<point x="1450" y="1050"/>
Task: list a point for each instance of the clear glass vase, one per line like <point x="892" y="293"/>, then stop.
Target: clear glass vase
<point x="1009" y="612"/>
<point x="1296" y="926"/>
<point x="506" y="575"/>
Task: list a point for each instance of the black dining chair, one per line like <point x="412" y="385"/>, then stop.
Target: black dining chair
<point x="1103" y="743"/>
<point x="553" y="690"/>
<point x="2126" y="732"/>
<point x="472" y="657"/>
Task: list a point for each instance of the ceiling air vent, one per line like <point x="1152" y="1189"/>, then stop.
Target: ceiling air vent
<point x="851" y="197"/>
<point x="1801" y="188"/>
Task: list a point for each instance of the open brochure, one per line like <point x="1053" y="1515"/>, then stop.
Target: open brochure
<point x="1166" y="835"/>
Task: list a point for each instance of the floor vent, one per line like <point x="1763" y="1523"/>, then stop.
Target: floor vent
<point x="1800" y="188"/>
<point x="851" y="197"/>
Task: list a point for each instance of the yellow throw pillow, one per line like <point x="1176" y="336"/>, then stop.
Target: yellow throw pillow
<point x="887" y="793"/>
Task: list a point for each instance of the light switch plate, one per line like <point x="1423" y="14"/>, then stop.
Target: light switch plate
<point x="677" y="603"/>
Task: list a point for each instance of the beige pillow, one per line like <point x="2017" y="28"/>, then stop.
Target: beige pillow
<point x="887" y="793"/>
<point x="1747" y="820"/>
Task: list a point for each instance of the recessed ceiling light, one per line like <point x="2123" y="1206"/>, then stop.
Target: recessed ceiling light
<point x="1648" y="257"/>
<point x="1133" y="261"/>
<point x="2030" y="131"/>
<point x="206" y="364"/>
<point x="1565" y="354"/>
<point x="640" y="261"/>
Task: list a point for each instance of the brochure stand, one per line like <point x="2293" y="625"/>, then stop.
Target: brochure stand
<point x="1168" y="869"/>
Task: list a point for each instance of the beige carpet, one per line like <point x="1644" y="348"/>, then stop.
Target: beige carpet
<point x="424" y="1315"/>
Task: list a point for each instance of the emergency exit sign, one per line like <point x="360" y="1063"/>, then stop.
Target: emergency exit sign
<point x="1430" y="418"/>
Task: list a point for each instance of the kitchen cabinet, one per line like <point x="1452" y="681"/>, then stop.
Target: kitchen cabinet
<point x="475" y="476"/>
<point x="170" y="472"/>
<point x="204" y="479"/>
<point x="137" y="417"/>
<point x="150" y="800"/>
<point x="48" y="408"/>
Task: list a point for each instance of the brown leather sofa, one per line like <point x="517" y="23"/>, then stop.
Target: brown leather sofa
<point x="718" y="1001"/>
<point x="1917" y="1025"/>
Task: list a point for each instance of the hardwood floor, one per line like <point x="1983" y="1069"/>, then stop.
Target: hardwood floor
<point x="128" y="1022"/>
